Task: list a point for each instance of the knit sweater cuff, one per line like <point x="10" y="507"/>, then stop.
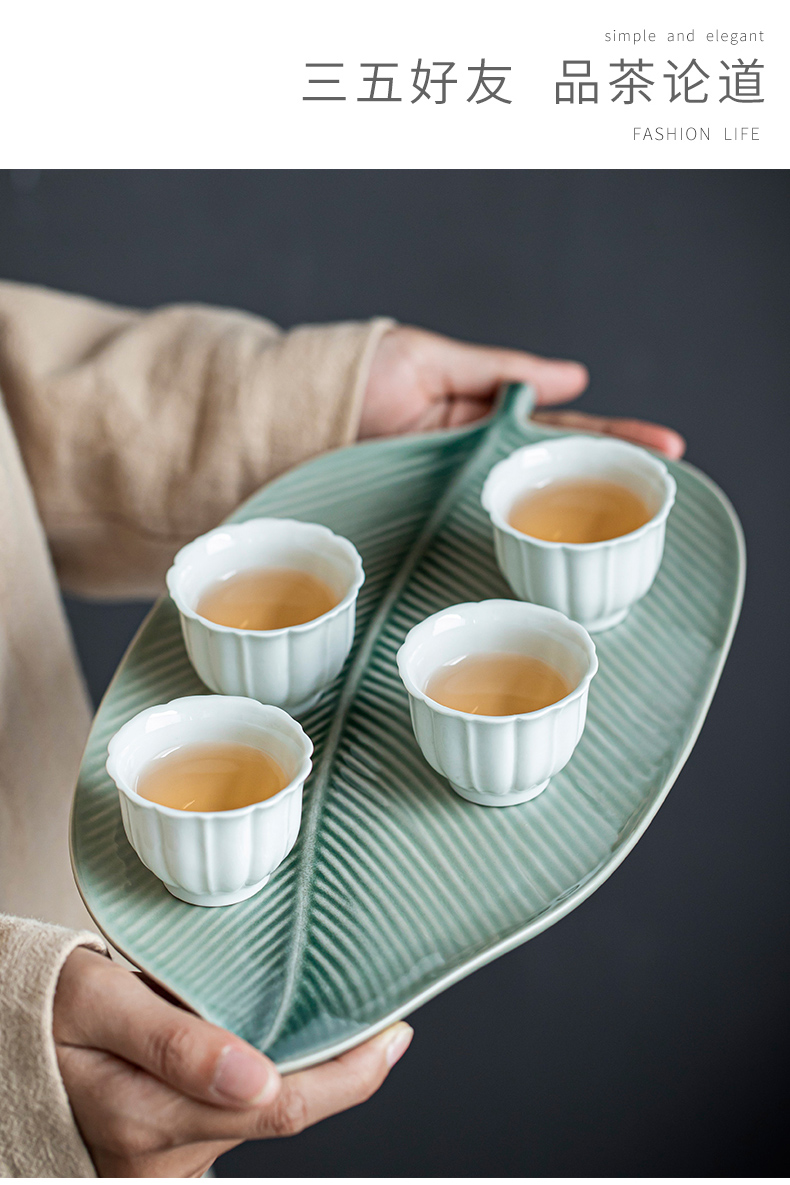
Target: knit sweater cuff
<point x="38" y="1134"/>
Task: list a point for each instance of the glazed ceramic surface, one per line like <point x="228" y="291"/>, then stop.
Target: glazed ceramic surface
<point x="396" y="887"/>
<point x="594" y="583"/>
<point x="211" y="857"/>
<point x="288" y="667"/>
<point x="498" y="760"/>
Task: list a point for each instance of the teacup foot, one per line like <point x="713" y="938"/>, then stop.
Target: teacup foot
<point x="216" y="898"/>
<point x="481" y="799"/>
<point x="606" y="623"/>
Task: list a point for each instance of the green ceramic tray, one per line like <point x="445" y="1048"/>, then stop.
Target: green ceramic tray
<point x="397" y="888"/>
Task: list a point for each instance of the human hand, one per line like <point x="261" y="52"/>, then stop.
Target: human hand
<point x="158" y="1092"/>
<point x="421" y="381"/>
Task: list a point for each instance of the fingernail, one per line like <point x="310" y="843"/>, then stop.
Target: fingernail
<point x="241" y="1077"/>
<point x="397" y="1040"/>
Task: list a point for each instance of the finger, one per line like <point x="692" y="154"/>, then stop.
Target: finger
<point x="135" y="1125"/>
<point x="478" y="371"/>
<point x="191" y="1160"/>
<point x="654" y="436"/>
<point x="102" y="1006"/>
<point x="129" y="1114"/>
<point x="312" y="1095"/>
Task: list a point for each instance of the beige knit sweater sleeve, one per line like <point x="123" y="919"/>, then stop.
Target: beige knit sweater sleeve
<point x="124" y="434"/>
<point x="38" y="1134"/>
<point x="141" y="430"/>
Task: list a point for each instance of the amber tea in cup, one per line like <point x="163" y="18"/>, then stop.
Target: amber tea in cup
<point x="497" y="696"/>
<point x="266" y="599"/>
<point x="579" y="524"/>
<point x="211" y="776"/>
<point x="497" y="684"/>
<point x="210" y="789"/>
<point x="268" y="608"/>
<point x="583" y="510"/>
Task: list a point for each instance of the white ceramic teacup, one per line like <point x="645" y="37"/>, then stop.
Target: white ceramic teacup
<point x="211" y="857"/>
<point x="287" y="667"/>
<point x="497" y="760"/>
<point x="594" y="583"/>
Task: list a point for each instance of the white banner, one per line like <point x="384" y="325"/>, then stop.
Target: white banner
<point x="428" y="84"/>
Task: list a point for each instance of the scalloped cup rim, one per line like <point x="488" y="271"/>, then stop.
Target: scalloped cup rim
<point x="181" y="559"/>
<point x="116" y="741"/>
<point x="579" y="690"/>
<point x="501" y="523"/>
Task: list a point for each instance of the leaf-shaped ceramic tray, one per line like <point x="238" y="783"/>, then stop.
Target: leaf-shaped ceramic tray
<point x="397" y="888"/>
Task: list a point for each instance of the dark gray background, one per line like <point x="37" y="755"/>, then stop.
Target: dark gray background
<point x="646" y="1034"/>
